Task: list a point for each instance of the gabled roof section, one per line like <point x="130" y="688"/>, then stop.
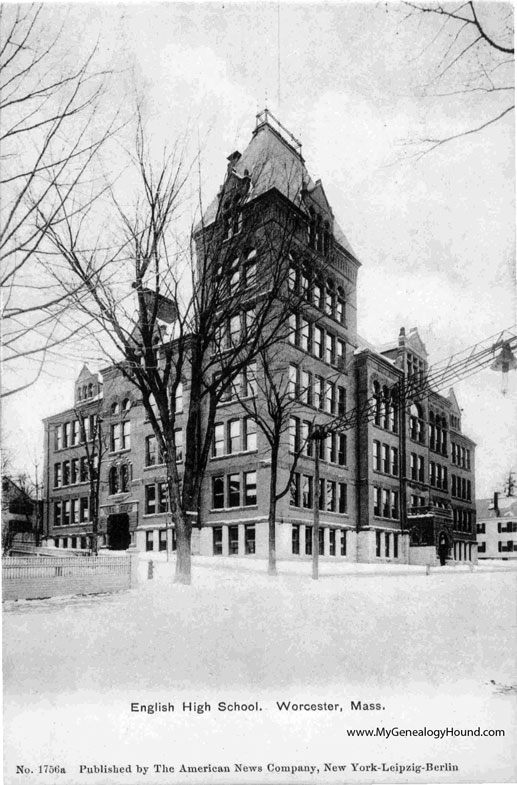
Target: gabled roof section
<point x="85" y="374"/>
<point x="415" y="342"/>
<point x="451" y="395"/>
<point x="273" y="160"/>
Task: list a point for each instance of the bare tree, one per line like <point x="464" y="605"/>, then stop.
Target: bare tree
<point x="49" y="139"/>
<point x="271" y="407"/>
<point x="475" y="60"/>
<point x="202" y="332"/>
<point x="94" y="439"/>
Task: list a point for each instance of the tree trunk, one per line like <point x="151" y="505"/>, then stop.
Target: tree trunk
<point x="183" y="549"/>
<point x="271" y="568"/>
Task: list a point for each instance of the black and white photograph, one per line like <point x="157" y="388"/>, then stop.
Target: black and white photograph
<point x="259" y="392"/>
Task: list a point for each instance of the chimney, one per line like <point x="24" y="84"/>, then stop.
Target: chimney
<point x="496" y="504"/>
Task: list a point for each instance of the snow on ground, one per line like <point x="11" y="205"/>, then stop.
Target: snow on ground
<point x="432" y="648"/>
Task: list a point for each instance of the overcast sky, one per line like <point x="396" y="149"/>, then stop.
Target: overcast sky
<point x="435" y="235"/>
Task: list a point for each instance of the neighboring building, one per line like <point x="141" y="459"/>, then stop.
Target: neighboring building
<point x="393" y="488"/>
<point x="21" y="517"/>
<point x="497" y="527"/>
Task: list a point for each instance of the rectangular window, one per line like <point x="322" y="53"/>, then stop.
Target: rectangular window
<point x="378" y="543"/>
<point x="293" y="381"/>
<point x="385" y="459"/>
<point x="250" y="434"/>
<point x="66" y="472"/>
<point x="376" y="501"/>
<point x="318" y="342"/>
<point x="58" y="437"/>
<point x="66" y="512"/>
<point x="149" y="540"/>
<point x="341" y="400"/>
<point x="321" y="543"/>
<point x="84" y="469"/>
<point x="294" y="434"/>
<point x="385" y="503"/>
<point x="330" y="349"/>
<point x="249" y="539"/>
<point x="331" y="496"/>
<point x="150" y="499"/>
<point x="66" y="434"/>
<point x="305" y="334"/>
<point x="84" y="509"/>
<point x="163" y="497"/>
<point x="294" y="490"/>
<point x="306" y="441"/>
<point x="74" y="468"/>
<point x="376" y="455"/>
<point x="234" y="436"/>
<point x="250" y="488"/>
<point x="308" y="540"/>
<point x="395" y="546"/>
<point x="57" y="513"/>
<point x="331" y="448"/>
<point x="421" y="468"/>
<point x="295" y="539"/>
<point x="394" y="504"/>
<point x="218" y="439"/>
<point x="162" y="543"/>
<point x="75" y="432"/>
<point x="250" y="380"/>
<point x="178" y="438"/>
<point x="218" y="540"/>
<point x="343" y="542"/>
<point x="343" y="500"/>
<point x="115" y="437"/>
<point x="233" y="540"/>
<point x="151" y="457"/>
<point x="394" y="461"/>
<point x="387" y="544"/>
<point x="318" y="392"/>
<point x="330" y="397"/>
<point x="413" y="466"/>
<point x="57" y="475"/>
<point x="332" y="542"/>
<point x="306" y="387"/>
<point x="234" y="490"/>
<point x="307" y="492"/>
<point x="218" y="492"/>
<point x="126" y="435"/>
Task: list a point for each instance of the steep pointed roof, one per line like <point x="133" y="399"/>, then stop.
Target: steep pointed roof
<point x="271" y="161"/>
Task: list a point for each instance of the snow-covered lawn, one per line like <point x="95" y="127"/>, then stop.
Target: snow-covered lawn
<point x="439" y="647"/>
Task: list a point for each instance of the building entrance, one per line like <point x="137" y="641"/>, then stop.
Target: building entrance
<point x="118" y="532"/>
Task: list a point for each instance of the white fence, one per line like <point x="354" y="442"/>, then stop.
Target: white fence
<point x="35" y="577"/>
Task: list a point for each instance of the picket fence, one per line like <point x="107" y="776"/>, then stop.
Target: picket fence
<point x="25" y="577"/>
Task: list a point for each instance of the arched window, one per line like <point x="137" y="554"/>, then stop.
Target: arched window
<point x="113" y="480"/>
<point x="84" y="392"/>
<point x="386" y="399"/>
<point x="319" y="234"/>
<point x="78" y="393"/>
<point x="432" y="431"/>
<point x="319" y="293"/>
<point x="416" y="423"/>
<point x="115" y="408"/>
<point x="312" y="228"/>
<point x="126" y="405"/>
<point x="125" y="474"/>
<point x="90" y="390"/>
<point x="326" y="238"/>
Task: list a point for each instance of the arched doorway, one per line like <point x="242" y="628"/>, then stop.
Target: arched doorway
<point x="118" y="532"/>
